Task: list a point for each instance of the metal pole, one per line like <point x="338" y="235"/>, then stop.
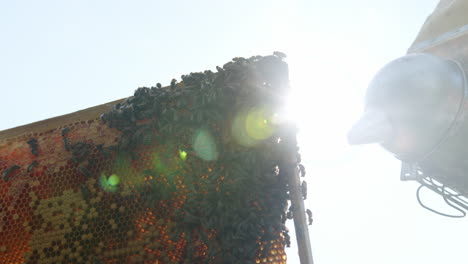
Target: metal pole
<point x="294" y="182"/>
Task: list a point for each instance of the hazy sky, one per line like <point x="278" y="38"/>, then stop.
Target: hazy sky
<point x="57" y="57"/>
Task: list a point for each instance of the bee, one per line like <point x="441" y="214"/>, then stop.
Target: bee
<point x="287" y="239"/>
<point x="125" y="141"/>
<point x="100" y="147"/>
<point x="80" y="151"/>
<point x="302" y="170"/>
<point x="298" y="158"/>
<point x="85" y="191"/>
<point x="32" y="166"/>
<point x="289" y="214"/>
<point x="304" y="190"/>
<point x="85" y="171"/>
<point x="309" y="216"/>
<point x="33" y="144"/>
<point x="142" y="135"/>
<point x="104" y="118"/>
<point x="66" y="142"/>
<point x="9" y="171"/>
<point x="279" y="54"/>
<point x="219" y="69"/>
<point x="92" y="162"/>
<point x="98" y="261"/>
<point x="65" y="131"/>
<point x="107" y="151"/>
<point x="283" y="218"/>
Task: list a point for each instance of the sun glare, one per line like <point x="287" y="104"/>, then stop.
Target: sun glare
<point x="324" y="108"/>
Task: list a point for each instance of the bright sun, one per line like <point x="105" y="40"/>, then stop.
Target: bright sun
<point x="324" y="114"/>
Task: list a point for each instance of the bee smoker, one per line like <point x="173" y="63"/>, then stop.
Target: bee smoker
<point x="416" y="107"/>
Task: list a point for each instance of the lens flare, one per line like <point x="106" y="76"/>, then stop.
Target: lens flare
<point x="113" y="180"/>
<point x="204" y="145"/>
<point x="257" y="125"/>
<point x="109" y="184"/>
<point x="239" y="132"/>
<point x="182" y="154"/>
<point x="252" y="126"/>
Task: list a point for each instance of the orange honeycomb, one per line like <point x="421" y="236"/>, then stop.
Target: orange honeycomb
<point x="56" y="214"/>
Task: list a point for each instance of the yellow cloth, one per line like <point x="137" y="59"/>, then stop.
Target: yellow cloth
<point x="449" y="15"/>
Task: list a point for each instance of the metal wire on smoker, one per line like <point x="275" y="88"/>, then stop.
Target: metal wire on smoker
<point x="429" y="183"/>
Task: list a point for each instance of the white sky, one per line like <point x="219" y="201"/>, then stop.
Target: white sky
<point x="57" y="57"/>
